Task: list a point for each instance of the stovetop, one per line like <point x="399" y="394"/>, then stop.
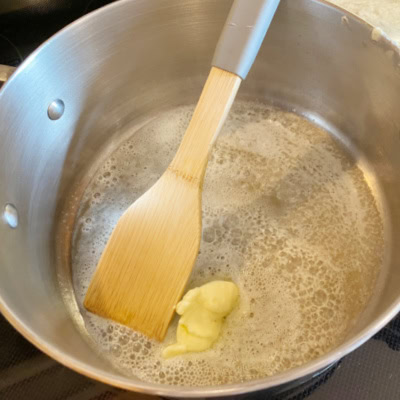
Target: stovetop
<point x="372" y="372"/>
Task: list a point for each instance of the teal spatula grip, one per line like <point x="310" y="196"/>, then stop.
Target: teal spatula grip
<point x="242" y="35"/>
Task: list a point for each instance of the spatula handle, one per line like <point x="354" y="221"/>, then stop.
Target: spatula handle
<point x="243" y="33"/>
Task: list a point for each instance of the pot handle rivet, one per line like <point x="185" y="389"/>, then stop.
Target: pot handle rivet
<point x="10" y="215"/>
<point x="56" y="109"/>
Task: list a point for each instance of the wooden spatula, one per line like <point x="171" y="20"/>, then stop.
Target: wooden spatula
<point x="147" y="261"/>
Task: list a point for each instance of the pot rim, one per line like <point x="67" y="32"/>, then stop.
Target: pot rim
<point x="309" y="369"/>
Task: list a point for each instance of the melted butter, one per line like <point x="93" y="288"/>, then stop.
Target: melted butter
<point x="287" y="215"/>
<point x="202" y="312"/>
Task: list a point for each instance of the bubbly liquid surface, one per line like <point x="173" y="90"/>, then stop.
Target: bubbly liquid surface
<point x="287" y="215"/>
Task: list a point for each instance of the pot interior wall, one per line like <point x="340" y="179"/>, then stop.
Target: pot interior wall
<point x="126" y="62"/>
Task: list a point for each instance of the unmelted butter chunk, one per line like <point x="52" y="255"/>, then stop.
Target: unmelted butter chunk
<point x="202" y="312"/>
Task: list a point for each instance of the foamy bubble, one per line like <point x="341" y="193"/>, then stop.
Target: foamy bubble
<point x="287" y="215"/>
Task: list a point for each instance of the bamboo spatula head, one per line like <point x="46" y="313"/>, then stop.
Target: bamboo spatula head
<point x="148" y="259"/>
<point x="149" y="256"/>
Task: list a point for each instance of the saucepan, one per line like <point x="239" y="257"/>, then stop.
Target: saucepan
<point x="75" y="98"/>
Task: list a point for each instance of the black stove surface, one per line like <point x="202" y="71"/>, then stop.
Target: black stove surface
<point x="372" y="372"/>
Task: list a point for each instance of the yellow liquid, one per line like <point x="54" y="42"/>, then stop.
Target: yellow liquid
<point x="287" y="216"/>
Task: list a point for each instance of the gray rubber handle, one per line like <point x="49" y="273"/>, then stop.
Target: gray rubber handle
<point x="243" y="33"/>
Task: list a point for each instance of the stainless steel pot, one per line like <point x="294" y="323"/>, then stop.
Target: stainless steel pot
<point x="75" y="96"/>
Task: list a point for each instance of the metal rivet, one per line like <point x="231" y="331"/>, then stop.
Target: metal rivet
<point x="56" y="109"/>
<point x="10" y="216"/>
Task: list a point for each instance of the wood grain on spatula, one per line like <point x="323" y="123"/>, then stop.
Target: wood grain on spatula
<point x="148" y="259"/>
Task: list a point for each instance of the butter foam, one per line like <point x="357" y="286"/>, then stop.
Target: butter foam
<point x="287" y="216"/>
